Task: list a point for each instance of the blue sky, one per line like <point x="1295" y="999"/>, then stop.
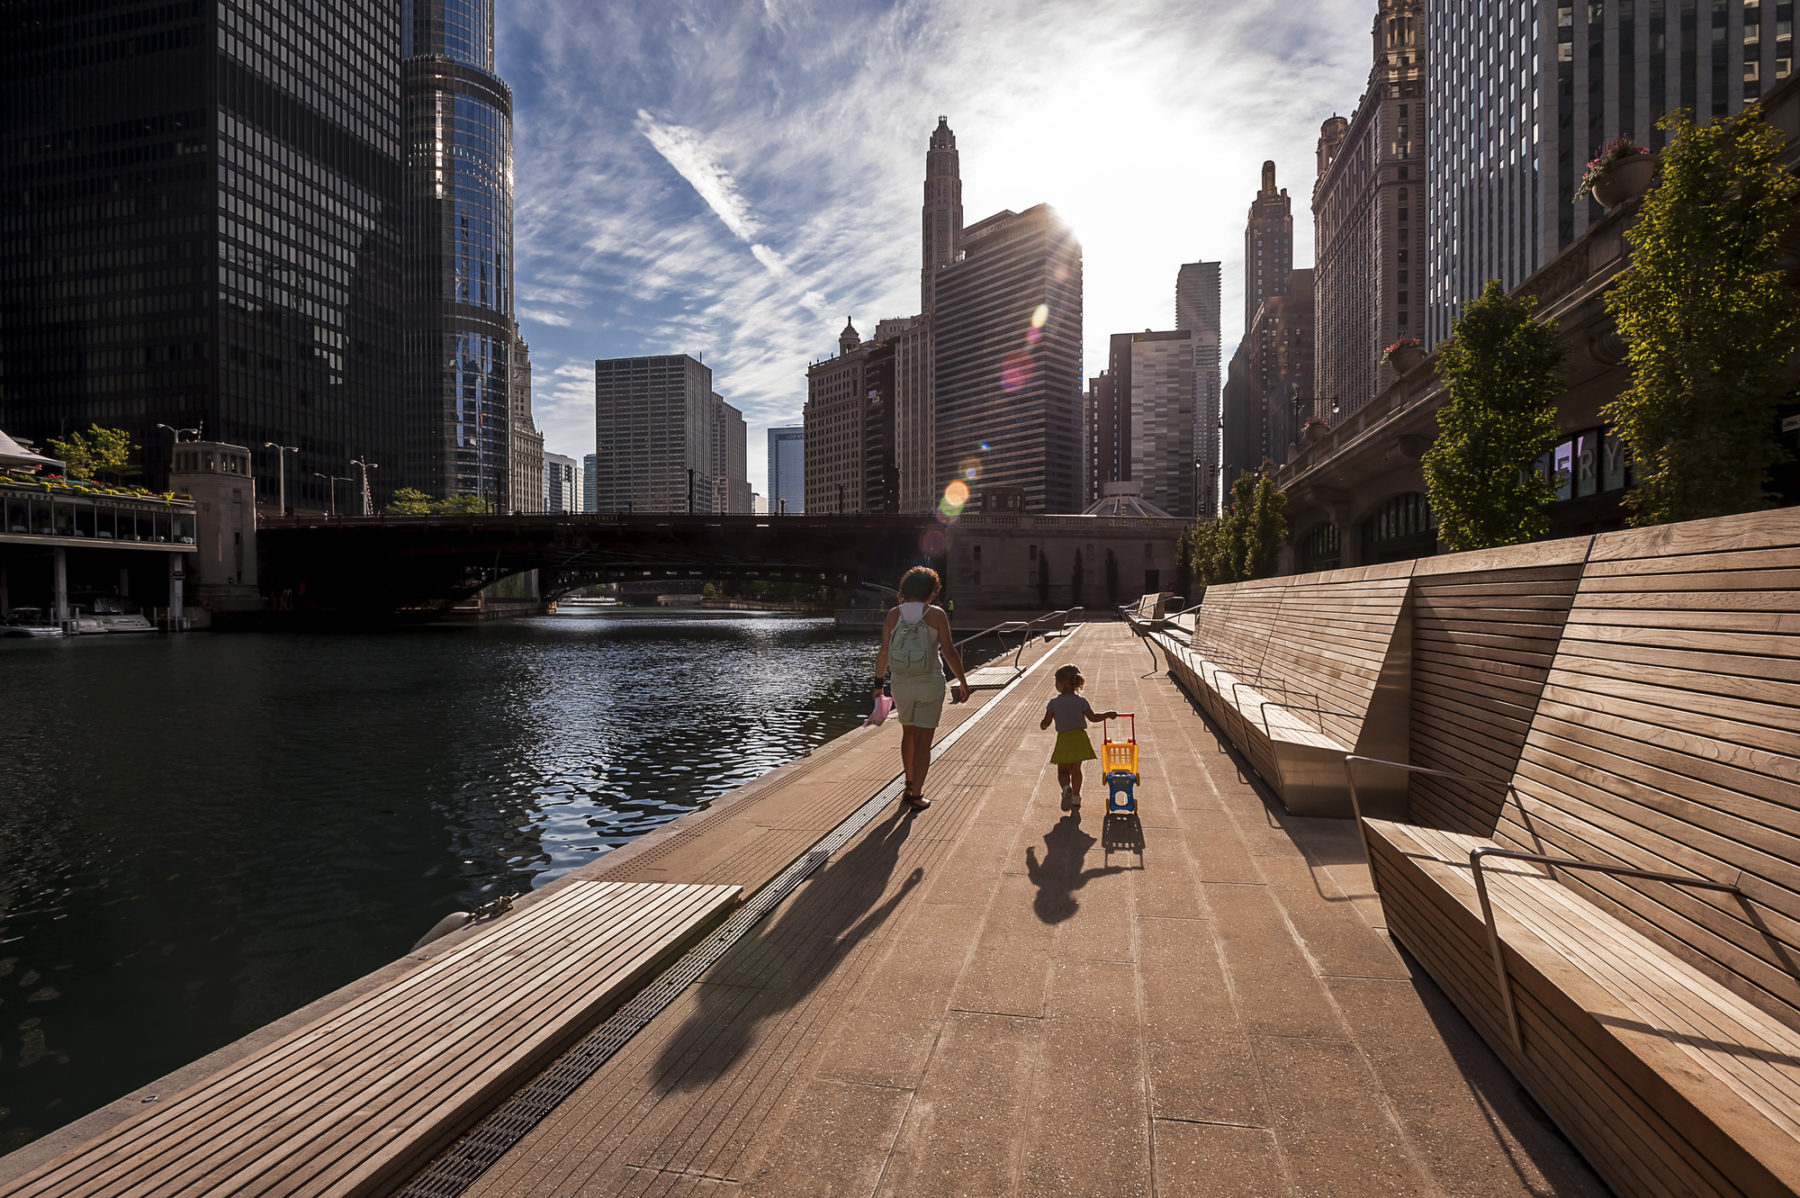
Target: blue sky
<point x="734" y="179"/>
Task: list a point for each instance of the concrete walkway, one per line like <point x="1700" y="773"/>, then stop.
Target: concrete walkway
<point x="985" y="999"/>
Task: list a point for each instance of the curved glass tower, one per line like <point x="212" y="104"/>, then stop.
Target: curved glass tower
<point x="459" y="259"/>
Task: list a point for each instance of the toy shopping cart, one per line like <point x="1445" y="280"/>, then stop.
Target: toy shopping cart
<point x="1118" y="766"/>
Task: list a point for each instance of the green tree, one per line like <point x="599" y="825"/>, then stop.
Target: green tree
<point x="1245" y="541"/>
<point x="1184" y="564"/>
<point x="1075" y="581"/>
<point x="1499" y="368"/>
<point x="409" y="501"/>
<point x="1709" y="325"/>
<point x="96" y="451"/>
<point x="460" y="505"/>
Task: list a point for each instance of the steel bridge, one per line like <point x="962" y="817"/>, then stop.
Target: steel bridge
<point x="383" y="565"/>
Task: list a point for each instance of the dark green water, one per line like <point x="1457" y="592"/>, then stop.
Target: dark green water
<point x="199" y="834"/>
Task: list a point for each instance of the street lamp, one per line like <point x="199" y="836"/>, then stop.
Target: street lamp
<point x="179" y="431"/>
<point x="331" y="482"/>
<point x="281" y="452"/>
<point x="365" y="466"/>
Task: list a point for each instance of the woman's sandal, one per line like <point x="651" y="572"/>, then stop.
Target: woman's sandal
<point x="916" y="802"/>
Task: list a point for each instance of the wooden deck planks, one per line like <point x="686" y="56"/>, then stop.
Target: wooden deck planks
<point x="365" y="1093"/>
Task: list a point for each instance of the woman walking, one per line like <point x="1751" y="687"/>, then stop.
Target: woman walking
<point x="913" y="635"/>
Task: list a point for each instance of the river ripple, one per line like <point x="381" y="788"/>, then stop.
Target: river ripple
<point x="199" y="834"/>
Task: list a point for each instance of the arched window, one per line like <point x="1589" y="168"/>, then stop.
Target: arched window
<point x="1321" y="549"/>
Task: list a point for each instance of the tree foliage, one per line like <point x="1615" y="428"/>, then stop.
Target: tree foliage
<point x="410" y="501"/>
<point x="1708" y="324"/>
<point x="1499" y="368"/>
<point x="1245" y="541"/>
<point x="99" y="450"/>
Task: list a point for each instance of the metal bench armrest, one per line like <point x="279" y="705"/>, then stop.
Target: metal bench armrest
<point x="1478" y="856"/>
<point x="1354" y="760"/>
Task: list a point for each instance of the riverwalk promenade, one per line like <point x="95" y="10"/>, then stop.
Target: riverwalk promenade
<point x="986" y="997"/>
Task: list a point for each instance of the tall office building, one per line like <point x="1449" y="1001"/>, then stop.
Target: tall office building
<point x="1369" y="220"/>
<point x="942" y="217"/>
<point x="1523" y="91"/>
<point x="1008" y="380"/>
<point x="653" y="428"/>
<point x="525" y="443"/>
<point x="730" y="460"/>
<point x="1145" y="434"/>
<point x="589" y="464"/>
<point x="787" y="470"/>
<point x="459" y="254"/>
<point x="1101" y="460"/>
<point x="1197" y="307"/>
<point x="200" y="221"/>
<point x="841" y="421"/>
<point x="1268" y="394"/>
<point x="1268" y="244"/>
<point x="562" y="484"/>
<point x="914" y="412"/>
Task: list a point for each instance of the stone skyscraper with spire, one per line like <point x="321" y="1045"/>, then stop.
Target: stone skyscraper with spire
<point x="1268" y="245"/>
<point x="942" y="218"/>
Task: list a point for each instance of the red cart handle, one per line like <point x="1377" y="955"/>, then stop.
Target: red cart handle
<point x="1121" y="715"/>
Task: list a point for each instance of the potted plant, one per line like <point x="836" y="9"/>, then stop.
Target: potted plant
<point x="1315" y="430"/>
<point x="1619" y="171"/>
<point x="1403" y="354"/>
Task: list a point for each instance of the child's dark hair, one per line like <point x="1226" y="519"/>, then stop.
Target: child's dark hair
<point x="919" y="584"/>
<point x="1071" y="674"/>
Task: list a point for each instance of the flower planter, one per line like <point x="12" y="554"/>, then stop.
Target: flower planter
<point x="1405" y="358"/>
<point x="1316" y="433"/>
<point x="1625" y="180"/>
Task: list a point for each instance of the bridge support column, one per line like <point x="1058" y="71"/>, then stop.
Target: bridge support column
<point x="177" y="575"/>
<point x="59" y="575"/>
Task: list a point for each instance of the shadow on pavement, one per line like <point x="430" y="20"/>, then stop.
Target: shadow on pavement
<point x="785" y="960"/>
<point x="1060" y="874"/>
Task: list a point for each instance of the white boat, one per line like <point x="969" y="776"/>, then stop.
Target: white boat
<point x="112" y="617"/>
<point x="28" y="622"/>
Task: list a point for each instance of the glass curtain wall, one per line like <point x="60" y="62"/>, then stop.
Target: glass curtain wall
<point x="459" y="259"/>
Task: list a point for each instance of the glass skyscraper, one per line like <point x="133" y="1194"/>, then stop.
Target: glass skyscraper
<point x="1522" y="92"/>
<point x="459" y="253"/>
<point x="787" y="471"/>
<point x="200" y="210"/>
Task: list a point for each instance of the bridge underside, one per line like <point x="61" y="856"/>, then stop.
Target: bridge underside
<point x="381" y="566"/>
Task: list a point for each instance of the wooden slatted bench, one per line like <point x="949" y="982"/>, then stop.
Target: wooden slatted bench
<point x="1645" y="988"/>
<point x="360" y="1098"/>
<point x="1302" y="672"/>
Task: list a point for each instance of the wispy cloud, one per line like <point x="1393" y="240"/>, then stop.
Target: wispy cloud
<point x="797" y="130"/>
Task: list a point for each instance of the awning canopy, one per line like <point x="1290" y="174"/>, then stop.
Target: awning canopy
<point x="14" y="454"/>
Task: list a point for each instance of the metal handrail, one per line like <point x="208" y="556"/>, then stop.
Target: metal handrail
<point x="1477" y="856"/>
<point x="1356" y="807"/>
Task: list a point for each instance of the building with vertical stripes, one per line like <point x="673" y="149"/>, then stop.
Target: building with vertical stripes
<point x="653" y="434"/>
<point x="1197" y="307"/>
<point x="1522" y="92"/>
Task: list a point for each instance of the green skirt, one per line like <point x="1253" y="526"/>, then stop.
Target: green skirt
<point x="1071" y="747"/>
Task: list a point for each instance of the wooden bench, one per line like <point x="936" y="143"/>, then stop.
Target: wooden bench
<point x="1644" y="988"/>
<point x="1302" y="672"/>
<point x="359" y="1099"/>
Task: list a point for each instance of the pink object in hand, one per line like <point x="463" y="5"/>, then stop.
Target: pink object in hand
<point x="883" y="705"/>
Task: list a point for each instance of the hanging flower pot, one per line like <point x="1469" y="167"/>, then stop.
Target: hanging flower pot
<point x="1403" y="354"/>
<point x="1617" y="174"/>
<point x="1316" y="430"/>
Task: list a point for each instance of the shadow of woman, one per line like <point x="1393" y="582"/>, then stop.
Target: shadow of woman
<point x="783" y="961"/>
<point x="1060" y="875"/>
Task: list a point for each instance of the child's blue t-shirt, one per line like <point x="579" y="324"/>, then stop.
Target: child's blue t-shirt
<point x="1069" y="712"/>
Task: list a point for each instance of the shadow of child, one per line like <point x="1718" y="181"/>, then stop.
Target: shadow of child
<point x="1060" y="874"/>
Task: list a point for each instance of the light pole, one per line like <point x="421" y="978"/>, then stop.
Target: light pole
<point x="179" y="431"/>
<point x="363" y="464"/>
<point x="281" y="452"/>
<point x="331" y="482"/>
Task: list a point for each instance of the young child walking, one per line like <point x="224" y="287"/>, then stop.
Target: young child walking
<point x="1071" y="714"/>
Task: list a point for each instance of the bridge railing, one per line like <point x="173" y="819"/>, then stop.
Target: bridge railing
<point x="1047" y="622"/>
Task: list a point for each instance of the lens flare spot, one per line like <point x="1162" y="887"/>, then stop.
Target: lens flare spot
<point x="1018" y="372"/>
<point x="957" y="493"/>
<point x="1033" y="336"/>
<point x="971" y="473"/>
<point x="1040" y="316"/>
<point x="933" y="543"/>
<point x="985" y="447"/>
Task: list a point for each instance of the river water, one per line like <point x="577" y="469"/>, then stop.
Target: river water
<point x="199" y="834"/>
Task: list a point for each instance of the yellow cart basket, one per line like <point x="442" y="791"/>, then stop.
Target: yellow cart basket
<point x="1119" y="754"/>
